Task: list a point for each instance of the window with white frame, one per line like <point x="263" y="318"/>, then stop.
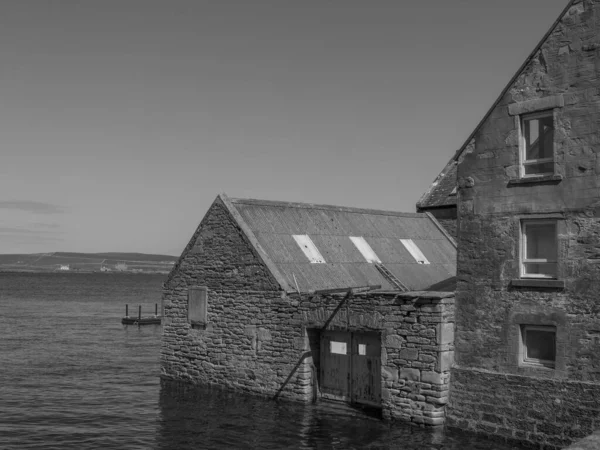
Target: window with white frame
<point x="537" y="144"/>
<point x="539" y="249"/>
<point x="538" y="345"/>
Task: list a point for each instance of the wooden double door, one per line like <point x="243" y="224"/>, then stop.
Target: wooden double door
<point x="351" y="367"/>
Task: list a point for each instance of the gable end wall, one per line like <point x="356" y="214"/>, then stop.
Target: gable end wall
<point x="491" y="391"/>
<point x="247" y="342"/>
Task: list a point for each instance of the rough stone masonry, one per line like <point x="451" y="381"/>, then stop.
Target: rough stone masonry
<point x="258" y="339"/>
<point x="492" y="390"/>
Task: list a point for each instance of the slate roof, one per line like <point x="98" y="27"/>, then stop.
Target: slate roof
<point x="270" y="226"/>
<point x="438" y="193"/>
<point x="442" y="191"/>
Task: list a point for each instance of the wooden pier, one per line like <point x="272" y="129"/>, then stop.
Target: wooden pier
<point x="139" y="320"/>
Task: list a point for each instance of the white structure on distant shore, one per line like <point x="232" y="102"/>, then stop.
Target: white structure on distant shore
<point x="64" y="267"/>
<point x="121" y="266"/>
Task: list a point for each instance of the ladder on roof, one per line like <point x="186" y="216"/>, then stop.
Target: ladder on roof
<point x="390" y="277"/>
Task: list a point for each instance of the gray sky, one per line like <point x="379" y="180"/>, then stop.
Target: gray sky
<point x="121" y="120"/>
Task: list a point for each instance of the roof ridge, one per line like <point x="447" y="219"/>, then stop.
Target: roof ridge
<point x="283" y="204"/>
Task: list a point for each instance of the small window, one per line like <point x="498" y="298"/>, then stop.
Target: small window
<point x="537" y="144"/>
<point x="539" y="249"/>
<point x="365" y="249"/>
<point x="414" y="251"/>
<point x="309" y="248"/>
<point x="197" y="300"/>
<point x="538" y="346"/>
<point x="338" y="348"/>
<point x="362" y="349"/>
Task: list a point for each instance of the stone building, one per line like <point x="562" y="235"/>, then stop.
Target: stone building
<point x="527" y="340"/>
<point x="306" y="302"/>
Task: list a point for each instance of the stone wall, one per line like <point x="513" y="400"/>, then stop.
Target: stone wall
<point x="490" y="306"/>
<point x="547" y="413"/>
<point x="492" y="392"/>
<point x="417" y="335"/>
<point x="220" y="257"/>
<point x="266" y="343"/>
<point x="250" y="341"/>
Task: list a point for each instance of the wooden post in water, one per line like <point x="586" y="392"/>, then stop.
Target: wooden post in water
<point x="140" y="312"/>
<point x="155" y="309"/>
<point x="126" y="310"/>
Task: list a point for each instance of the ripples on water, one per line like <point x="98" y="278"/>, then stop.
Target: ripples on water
<point x="73" y="377"/>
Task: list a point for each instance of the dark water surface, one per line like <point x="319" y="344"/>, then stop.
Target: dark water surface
<point x="73" y="377"/>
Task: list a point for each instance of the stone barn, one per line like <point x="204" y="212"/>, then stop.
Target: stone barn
<point x="310" y="302"/>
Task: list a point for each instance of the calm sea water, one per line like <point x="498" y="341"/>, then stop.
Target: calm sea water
<point x="73" y="377"/>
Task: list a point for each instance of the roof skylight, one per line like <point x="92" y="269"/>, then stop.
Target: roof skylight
<point x="365" y="249"/>
<point x="414" y="251"/>
<point x="308" y="247"/>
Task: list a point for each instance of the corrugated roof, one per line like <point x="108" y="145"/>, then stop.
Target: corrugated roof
<point x="270" y="227"/>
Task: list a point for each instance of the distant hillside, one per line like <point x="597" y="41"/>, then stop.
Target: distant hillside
<point x="87" y="262"/>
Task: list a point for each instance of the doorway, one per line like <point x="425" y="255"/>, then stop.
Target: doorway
<point x="351" y="367"/>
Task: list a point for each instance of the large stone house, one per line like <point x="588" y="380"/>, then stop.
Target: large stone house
<point x="527" y="363"/>
<point x="307" y="301"/>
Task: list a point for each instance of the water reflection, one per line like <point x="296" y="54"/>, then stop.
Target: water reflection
<point x="193" y="417"/>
